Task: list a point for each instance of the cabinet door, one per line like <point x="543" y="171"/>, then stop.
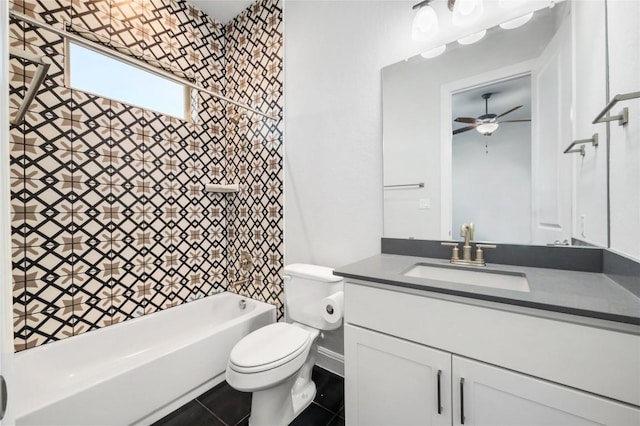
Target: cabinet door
<point x="487" y="395"/>
<point x="390" y="381"/>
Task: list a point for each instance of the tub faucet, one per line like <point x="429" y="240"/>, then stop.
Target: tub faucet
<point x="239" y="285"/>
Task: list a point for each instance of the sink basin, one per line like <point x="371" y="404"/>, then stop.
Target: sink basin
<point x="503" y="280"/>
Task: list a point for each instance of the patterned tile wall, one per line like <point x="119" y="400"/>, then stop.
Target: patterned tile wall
<point x="109" y="219"/>
<point x="254" y="149"/>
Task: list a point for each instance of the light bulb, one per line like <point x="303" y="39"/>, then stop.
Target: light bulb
<point x="425" y="24"/>
<point x="466" y="12"/>
<point x="434" y="52"/>
<point x="466" y="7"/>
<point x="518" y="22"/>
<point x="472" y="38"/>
<point x="487" y="128"/>
<point x="510" y="4"/>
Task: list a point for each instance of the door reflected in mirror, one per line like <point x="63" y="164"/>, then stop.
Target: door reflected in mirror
<point x="491" y="160"/>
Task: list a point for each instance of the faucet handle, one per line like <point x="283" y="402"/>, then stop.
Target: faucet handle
<point x="480" y="253"/>
<point x="455" y="253"/>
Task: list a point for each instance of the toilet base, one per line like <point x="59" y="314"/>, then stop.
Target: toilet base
<point x="279" y="405"/>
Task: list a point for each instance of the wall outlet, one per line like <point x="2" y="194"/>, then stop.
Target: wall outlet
<point x="424" y="203"/>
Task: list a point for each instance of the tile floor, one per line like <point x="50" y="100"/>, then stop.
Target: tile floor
<point x="225" y="406"/>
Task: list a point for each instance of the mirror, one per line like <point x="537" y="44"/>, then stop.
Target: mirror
<point x="515" y="184"/>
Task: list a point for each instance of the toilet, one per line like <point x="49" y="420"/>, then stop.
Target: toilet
<point x="275" y="362"/>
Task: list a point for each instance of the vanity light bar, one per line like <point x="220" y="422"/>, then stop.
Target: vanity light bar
<point x="516" y="23"/>
<point x="472" y="38"/>
<point x="475" y="37"/>
<point x="434" y="52"/>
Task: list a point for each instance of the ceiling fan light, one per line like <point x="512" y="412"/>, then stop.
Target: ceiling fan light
<point x="487" y="128"/>
<point x="466" y="12"/>
<point x="472" y="38"/>
<point x="518" y="22"/>
<point x="434" y="52"/>
<point x="425" y="24"/>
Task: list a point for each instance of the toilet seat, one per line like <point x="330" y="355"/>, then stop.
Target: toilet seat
<point x="275" y="364"/>
<point x="269" y="347"/>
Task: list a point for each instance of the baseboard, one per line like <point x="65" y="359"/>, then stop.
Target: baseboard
<point x="331" y="361"/>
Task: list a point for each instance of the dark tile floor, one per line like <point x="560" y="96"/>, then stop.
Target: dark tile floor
<point x="225" y="406"/>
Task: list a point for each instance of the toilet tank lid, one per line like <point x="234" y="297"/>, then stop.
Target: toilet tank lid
<point x="314" y="272"/>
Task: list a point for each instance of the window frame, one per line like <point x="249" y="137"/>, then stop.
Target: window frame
<point x="188" y="90"/>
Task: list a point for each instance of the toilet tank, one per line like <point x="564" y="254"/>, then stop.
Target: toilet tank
<point x="305" y="286"/>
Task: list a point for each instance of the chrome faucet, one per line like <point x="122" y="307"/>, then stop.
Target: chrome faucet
<point x="466" y="231"/>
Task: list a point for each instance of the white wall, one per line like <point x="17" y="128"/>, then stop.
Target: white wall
<point x="624" y="77"/>
<point x="334" y="51"/>
<point x="589" y="98"/>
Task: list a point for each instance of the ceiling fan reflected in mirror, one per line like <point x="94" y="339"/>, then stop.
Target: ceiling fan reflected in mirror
<point x="488" y="123"/>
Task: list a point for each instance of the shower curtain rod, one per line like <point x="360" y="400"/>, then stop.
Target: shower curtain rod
<point x="132" y="61"/>
<point x="43" y="64"/>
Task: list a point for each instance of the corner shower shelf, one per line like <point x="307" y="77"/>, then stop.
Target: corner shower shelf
<point x="214" y="187"/>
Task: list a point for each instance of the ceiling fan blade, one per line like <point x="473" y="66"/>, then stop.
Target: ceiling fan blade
<point x="464" y="129"/>
<point x="466" y="120"/>
<point x="515" y="121"/>
<point x="510" y="111"/>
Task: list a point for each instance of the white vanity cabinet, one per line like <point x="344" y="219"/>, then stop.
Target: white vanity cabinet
<point x="397" y="345"/>
<point x="395" y="382"/>
<point x="489" y="395"/>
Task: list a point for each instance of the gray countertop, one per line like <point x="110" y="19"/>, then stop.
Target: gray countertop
<point x="587" y="294"/>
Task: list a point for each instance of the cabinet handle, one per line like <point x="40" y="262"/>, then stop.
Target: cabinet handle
<point x="462" y="400"/>
<point x="439" y="395"/>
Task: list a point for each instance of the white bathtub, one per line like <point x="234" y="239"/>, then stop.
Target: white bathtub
<point x="137" y="371"/>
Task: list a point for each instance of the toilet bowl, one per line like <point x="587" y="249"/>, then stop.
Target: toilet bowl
<point x="279" y="374"/>
<point x="275" y="362"/>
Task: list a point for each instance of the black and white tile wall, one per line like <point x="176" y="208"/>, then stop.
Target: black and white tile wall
<point x="254" y="150"/>
<point x="109" y="218"/>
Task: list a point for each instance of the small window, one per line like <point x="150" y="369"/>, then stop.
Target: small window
<point x="101" y="75"/>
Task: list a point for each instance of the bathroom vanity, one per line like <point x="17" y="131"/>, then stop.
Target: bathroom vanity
<point x="422" y="349"/>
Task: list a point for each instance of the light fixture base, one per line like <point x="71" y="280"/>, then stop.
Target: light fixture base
<point x="422" y="3"/>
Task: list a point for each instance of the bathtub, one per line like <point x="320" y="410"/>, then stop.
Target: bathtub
<point x="137" y="371"/>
